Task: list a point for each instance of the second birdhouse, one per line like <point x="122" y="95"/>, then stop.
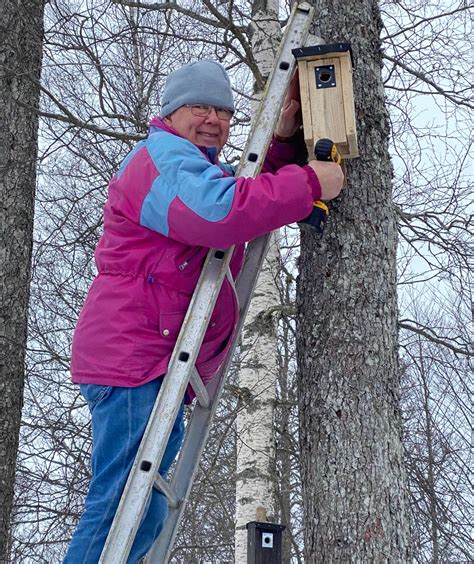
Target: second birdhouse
<point x="327" y="100"/>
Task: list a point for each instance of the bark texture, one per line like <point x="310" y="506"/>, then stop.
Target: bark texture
<point x="21" y="32"/>
<point x="351" y="453"/>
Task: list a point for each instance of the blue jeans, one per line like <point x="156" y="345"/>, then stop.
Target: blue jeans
<point x="119" y="417"/>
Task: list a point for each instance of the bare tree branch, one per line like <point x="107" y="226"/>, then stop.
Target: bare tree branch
<point x="422" y="76"/>
<point x="430" y="334"/>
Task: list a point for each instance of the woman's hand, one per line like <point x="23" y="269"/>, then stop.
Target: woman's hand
<point x="330" y="176"/>
<point x="290" y="117"/>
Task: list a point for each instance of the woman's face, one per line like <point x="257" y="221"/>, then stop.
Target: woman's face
<point x="207" y="131"/>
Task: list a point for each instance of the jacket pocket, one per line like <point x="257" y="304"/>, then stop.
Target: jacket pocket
<point x="169" y="325"/>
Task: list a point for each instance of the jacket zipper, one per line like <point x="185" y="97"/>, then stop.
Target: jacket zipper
<point x="186" y="262"/>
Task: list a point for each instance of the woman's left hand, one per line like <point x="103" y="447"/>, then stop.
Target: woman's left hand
<point x="290" y="117"/>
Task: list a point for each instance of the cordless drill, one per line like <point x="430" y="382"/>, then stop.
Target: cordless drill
<point x="324" y="150"/>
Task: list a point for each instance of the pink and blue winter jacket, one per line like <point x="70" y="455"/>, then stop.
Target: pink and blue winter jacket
<point x="170" y="202"/>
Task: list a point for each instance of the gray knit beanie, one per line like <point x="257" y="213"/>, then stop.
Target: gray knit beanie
<point x="200" y="82"/>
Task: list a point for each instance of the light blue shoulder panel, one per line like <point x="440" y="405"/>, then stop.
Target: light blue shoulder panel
<point x="184" y="172"/>
<point x="129" y="157"/>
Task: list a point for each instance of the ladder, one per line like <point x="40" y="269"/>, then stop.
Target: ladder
<point x="181" y="371"/>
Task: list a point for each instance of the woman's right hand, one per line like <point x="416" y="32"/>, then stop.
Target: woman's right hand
<point x="330" y="176"/>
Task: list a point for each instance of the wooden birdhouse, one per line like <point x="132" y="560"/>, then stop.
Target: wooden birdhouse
<point x="327" y="99"/>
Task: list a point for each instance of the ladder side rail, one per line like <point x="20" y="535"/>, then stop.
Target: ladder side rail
<point x="139" y="483"/>
<point x="141" y="478"/>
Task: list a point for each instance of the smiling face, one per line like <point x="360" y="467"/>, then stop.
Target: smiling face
<point x="208" y="131"/>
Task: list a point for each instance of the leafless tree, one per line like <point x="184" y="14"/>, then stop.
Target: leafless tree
<point x="21" y="30"/>
<point x="437" y="412"/>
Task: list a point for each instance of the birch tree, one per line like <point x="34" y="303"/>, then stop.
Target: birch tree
<point x="21" y="33"/>
<point x="255" y="477"/>
<point x="354" y="486"/>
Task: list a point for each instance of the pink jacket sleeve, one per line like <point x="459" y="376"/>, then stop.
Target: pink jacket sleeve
<point x="195" y="202"/>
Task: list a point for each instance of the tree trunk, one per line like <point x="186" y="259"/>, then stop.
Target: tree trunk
<point x="21" y="31"/>
<point x="351" y="453"/>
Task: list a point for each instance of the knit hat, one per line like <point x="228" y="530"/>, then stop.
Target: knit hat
<point x="200" y="82"/>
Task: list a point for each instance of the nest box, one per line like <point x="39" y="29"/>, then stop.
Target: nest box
<point x="327" y="99"/>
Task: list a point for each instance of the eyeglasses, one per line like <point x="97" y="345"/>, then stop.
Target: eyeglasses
<point x="204" y="111"/>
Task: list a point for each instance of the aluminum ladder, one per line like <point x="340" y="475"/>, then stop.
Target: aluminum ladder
<point x="181" y="371"/>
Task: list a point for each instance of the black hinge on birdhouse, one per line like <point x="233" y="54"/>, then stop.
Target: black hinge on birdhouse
<point x="264" y="543"/>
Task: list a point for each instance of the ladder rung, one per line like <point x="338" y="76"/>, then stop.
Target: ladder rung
<point x="200" y="390"/>
<point x="162" y="485"/>
<point x="230" y="279"/>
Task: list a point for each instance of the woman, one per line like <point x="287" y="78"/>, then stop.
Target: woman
<point x="170" y="201"/>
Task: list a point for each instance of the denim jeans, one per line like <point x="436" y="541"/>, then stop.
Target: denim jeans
<point x="119" y="417"/>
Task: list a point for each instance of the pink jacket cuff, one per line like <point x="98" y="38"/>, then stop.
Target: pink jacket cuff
<point x="313" y="182"/>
